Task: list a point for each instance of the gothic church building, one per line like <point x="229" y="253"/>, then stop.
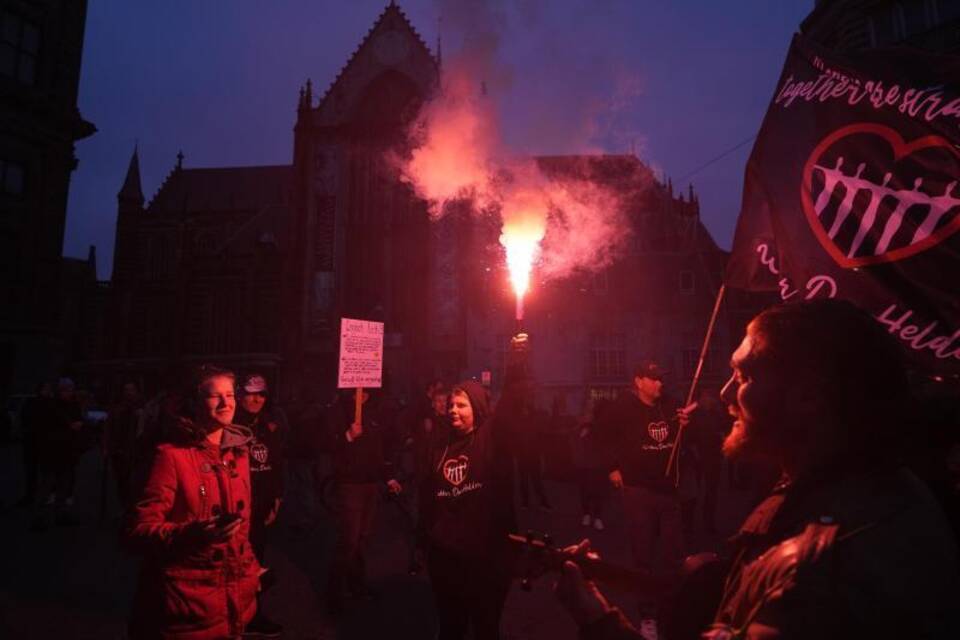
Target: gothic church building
<point x="254" y="266"/>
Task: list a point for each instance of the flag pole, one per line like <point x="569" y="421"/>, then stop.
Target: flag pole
<point x="672" y="464"/>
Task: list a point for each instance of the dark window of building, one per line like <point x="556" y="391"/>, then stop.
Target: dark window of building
<point x="11" y="178"/>
<point x="608" y="355"/>
<point x="686" y="282"/>
<point x="19" y="48"/>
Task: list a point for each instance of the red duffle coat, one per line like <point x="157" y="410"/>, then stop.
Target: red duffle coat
<point x="189" y="590"/>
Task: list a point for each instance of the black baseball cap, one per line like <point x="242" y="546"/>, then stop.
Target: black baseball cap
<point x="648" y="369"/>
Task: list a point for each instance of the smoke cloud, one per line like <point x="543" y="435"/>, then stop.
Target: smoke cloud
<point x="463" y="151"/>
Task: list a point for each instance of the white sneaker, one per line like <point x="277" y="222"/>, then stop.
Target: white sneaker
<point x="585" y="521"/>
<point x="598" y="524"/>
<point x="648" y="629"/>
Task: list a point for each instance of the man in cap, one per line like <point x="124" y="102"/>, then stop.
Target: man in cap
<point x="269" y="427"/>
<point x="641" y="428"/>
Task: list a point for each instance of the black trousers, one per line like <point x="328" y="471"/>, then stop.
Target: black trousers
<point x="356" y="512"/>
<point x="31" y="468"/>
<point x="258" y="544"/>
<point x="594" y="491"/>
<point x="469" y="592"/>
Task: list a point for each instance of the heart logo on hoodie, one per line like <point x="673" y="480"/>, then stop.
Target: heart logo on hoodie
<point x="658" y="431"/>
<point x="455" y="470"/>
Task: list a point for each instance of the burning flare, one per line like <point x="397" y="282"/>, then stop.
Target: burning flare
<point x="523" y="229"/>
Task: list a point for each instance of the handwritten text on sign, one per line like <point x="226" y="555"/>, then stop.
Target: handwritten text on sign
<point x="361" y="354"/>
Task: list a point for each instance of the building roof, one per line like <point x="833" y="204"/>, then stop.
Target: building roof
<point x="669" y="221"/>
<point x="222" y="190"/>
<point x="370" y="59"/>
<point x="619" y="170"/>
<point x="131" y="185"/>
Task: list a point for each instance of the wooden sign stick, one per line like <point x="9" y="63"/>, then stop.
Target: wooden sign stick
<point x="358" y="406"/>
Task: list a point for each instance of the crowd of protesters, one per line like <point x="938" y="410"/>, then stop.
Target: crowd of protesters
<point x="202" y="472"/>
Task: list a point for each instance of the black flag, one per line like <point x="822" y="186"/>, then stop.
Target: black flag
<point x="853" y="190"/>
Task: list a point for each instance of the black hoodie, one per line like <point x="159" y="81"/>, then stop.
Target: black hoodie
<point x="269" y="428"/>
<point x="466" y="498"/>
<point x="366" y="459"/>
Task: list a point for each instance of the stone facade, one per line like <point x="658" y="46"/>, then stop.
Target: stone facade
<point x="254" y="266"/>
<point x="41" y="44"/>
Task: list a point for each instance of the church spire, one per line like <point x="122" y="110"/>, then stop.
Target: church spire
<point x="131" y="191"/>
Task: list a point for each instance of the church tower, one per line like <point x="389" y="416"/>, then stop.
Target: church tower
<point x="129" y="214"/>
<point x="361" y="237"/>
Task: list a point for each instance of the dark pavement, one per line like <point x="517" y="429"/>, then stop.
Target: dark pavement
<point x="75" y="582"/>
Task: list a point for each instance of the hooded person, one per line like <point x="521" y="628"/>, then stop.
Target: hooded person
<point x="466" y="513"/>
<point x="268" y="425"/>
<point x="199" y="576"/>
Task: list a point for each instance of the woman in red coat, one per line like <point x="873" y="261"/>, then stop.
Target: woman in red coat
<point x="199" y="577"/>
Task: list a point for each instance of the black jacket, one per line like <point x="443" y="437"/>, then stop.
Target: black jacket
<point x="639" y="441"/>
<point x="851" y="553"/>
<point x="269" y="429"/>
<point x="466" y="498"/>
<point x="366" y="459"/>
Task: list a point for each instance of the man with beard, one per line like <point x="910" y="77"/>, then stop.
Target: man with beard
<point x="849" y="543"/>
<point x="269" y="427"/>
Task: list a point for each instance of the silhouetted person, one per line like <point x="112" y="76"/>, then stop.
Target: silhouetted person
<point x="593" y="483"/>
<point x="361" y="468"/>
<point x="120" y="435"/>
<point x="36" y="414"/>
<point x="528" y="430"/>
<point x="58" y="446"/>
<point x="307" y="442"/>
<point x="430" y="431"/>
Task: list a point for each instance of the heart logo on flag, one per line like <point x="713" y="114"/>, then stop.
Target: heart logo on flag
<point x="871" y="197"/>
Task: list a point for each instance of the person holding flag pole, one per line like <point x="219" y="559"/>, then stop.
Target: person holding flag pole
<point x="850" y="213"/>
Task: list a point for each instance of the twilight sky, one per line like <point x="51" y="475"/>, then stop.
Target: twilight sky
<point x="678" y="83"/>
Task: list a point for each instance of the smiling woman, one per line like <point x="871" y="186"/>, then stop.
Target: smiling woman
<point x="199" y="577"/>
